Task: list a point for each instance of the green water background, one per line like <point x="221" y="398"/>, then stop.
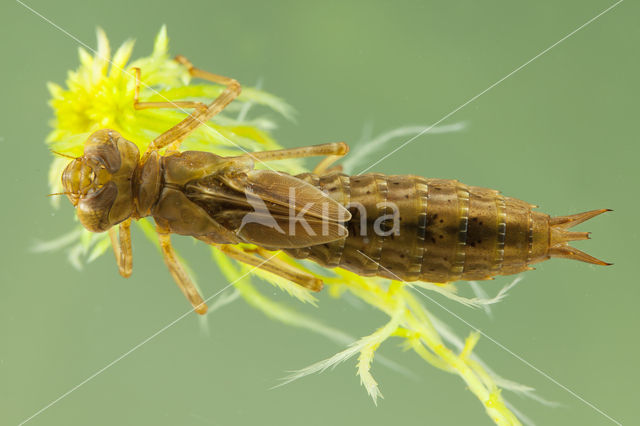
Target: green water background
<point x="562" y="133"/>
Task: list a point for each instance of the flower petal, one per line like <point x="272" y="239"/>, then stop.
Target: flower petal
<point x="121" y="58"/>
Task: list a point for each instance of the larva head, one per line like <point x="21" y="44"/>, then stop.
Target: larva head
<point x="99" y="184"/>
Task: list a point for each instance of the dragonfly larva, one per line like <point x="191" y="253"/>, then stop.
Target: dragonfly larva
<point x="399" y="227"/>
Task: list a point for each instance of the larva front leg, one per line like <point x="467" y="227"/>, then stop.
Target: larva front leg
<point x="121" y="243"/>
<point x="180" y="131"/>
<point x="153" y="105"/>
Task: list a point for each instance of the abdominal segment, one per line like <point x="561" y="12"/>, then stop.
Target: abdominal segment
<point x="411" y="228"/>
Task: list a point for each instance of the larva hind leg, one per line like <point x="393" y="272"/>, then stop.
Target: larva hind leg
<point x="180" y="276"/>
<point x="333" y="151"/>
<point x="270" y="263"/>
<point x="324" y="166"/>
<point x="121" y="243"/>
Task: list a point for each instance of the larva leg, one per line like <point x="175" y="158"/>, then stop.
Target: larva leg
<point x="335" y="149"/>
<point x="122" y="247"/>
<point x="179" y="274"/>
<point x="201" y="115"/>
<point x="273" y="265"/>
<point x="323" y="166"/>
<point x="149" y="105"/>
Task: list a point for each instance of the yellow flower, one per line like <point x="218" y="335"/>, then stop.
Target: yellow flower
<point x="99" y="94"/>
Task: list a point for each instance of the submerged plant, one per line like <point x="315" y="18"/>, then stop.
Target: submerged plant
<point x="100" y="94"/>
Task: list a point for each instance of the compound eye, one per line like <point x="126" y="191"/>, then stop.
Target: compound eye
<point x="102" y="147"/>
<point x="93" y="209"/>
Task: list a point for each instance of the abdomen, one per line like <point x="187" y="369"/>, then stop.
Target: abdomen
<point x="412" y="228"/>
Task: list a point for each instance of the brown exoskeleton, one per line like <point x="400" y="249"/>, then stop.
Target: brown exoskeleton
<point x="399" y="227"/>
